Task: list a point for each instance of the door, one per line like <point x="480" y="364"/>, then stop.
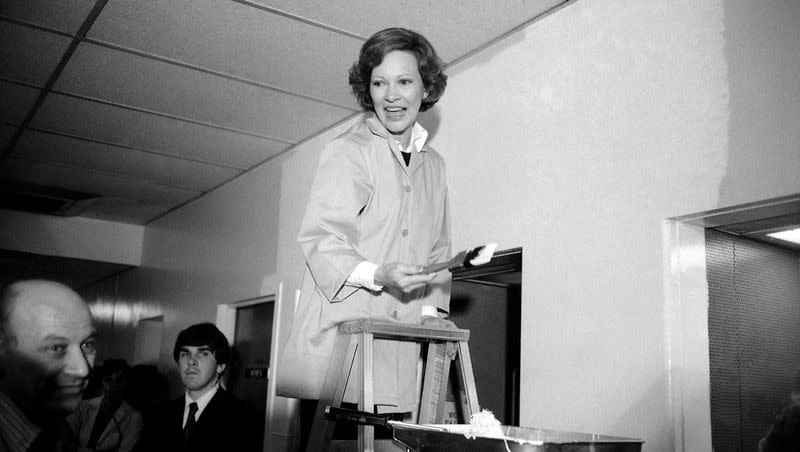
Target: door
<point x="248" y="379"/>
<point x="487" y="301"/>
<point x="754" y="336"/>
<point x="147" y="344"/>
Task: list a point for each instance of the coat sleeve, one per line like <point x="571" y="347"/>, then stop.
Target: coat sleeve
<point x="330" y="230"/>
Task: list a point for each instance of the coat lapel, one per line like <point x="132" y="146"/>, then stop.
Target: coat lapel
<point x="212" y="409"/>
<point x="94" y="409"/>
<point x="416" y="157"/>
<point x="415" y="163"/>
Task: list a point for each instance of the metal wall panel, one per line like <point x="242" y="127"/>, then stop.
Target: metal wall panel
<point x="754" y="336"/>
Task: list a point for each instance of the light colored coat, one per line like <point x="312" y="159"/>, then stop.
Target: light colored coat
<point x="120" y="435"/>
<point x="365" y="204"/>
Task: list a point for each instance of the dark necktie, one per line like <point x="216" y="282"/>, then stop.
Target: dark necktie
<point x="190" y="422"/>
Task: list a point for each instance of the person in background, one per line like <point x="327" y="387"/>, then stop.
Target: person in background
<point x="107" y="423"/>
<point x="47" y="349"/>
<point x="206" y="417"/>
<point x="147" y="391"/>
<point x="377" y="214"/>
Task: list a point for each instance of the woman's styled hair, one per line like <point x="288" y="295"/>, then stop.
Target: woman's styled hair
<point x="378" y="45"/>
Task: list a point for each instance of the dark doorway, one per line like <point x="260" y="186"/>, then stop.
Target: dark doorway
<point x="252" y="341"/>
<point x="487" y="301"/>
<point x="754" y="336"/>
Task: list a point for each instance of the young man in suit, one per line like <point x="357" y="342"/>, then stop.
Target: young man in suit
<point x="206" y="417"/>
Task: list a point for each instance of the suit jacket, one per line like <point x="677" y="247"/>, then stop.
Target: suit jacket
<point x="226" y="424"/>
<point x="366" y="204"/>
<point x="120" y="435"/>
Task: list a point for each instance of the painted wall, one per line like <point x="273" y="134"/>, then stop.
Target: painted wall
<point x="596" y="124"/>
<point x="761" y="47"/>
<point x="573" y="138"/>
<point x="593" y="126"/>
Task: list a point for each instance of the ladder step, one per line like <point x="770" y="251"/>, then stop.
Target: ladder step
<point x="389" y="330"/>
<point x="354" y="349"/>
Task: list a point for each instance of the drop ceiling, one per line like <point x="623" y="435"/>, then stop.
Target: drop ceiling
<point x="139" y="107"/>
<point x="124" y="110"/>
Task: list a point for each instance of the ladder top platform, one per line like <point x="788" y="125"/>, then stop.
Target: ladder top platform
<point x="402" y="330"/>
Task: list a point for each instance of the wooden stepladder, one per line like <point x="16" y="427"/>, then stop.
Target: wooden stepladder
<point x="354" y="349"/>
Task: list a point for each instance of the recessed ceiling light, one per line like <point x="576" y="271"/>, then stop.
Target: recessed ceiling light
<point x="792" y="235"/>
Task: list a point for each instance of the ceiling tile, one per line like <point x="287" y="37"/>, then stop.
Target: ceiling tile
<point x="61" y="15"/>
<point x="6" y="133"/>
<point x="124" y="162"/>
<point x="131" y="80"/>
<point x="16" y="101"/>
<point x="236" y="39"/>
<point x="16" y="265"/>
<point x="125" y="210"/>
<point x="467" y="24"/>
<point x="92" y="182"/>
<point x="28" y="55"/>
<point x="103" y="122"/>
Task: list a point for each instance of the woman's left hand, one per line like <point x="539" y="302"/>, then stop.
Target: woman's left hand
<point x="436" y="322"/>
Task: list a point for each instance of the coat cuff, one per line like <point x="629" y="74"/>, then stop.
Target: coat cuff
<point x="364" y="276"/>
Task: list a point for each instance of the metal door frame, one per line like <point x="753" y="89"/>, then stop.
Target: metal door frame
<point x="226" y="322"/>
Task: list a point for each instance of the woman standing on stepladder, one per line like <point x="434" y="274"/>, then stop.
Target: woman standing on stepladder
<point x="377" y="213"/>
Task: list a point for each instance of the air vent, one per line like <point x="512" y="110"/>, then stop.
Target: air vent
<point x="43" y="200"/>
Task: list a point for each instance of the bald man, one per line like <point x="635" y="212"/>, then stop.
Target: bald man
<point x="46" y="353"/>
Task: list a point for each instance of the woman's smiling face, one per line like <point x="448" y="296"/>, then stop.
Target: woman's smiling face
<point x="397" y="91"/>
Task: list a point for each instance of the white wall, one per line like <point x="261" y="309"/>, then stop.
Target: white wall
<point x="762" y="41"/>
<point x="595" y="124"/>
<point x="573" y="138"/>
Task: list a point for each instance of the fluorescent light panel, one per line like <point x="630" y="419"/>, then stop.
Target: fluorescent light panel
<point x="792" y="235"/>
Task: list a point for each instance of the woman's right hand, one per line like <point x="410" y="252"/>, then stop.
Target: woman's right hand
<point x="405" y="277"/>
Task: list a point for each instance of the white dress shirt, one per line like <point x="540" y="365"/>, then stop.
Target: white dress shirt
<point x="202" y="403"/>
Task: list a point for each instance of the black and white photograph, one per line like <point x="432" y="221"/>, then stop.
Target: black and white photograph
<point x="399" y="226"/>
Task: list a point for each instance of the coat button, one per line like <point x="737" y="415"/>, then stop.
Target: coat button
<point x="408" y="188"/>
<point x="394" y="314"/>
<point x="405" y="232"/>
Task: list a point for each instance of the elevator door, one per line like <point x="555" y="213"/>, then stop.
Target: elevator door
<point x="754" y="336"/>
